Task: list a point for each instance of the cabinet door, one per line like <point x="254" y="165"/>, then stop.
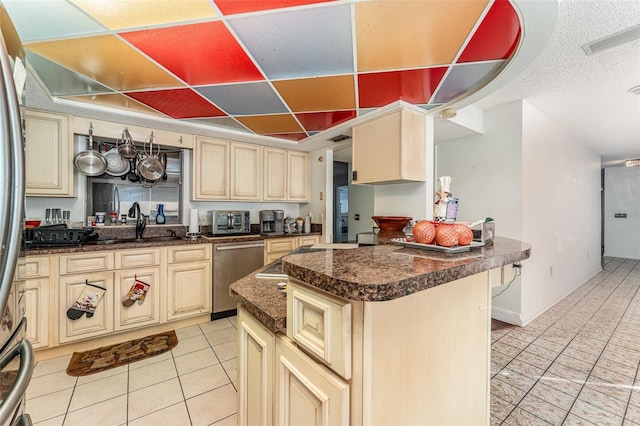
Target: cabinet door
<point x="48" y="155"/>
<point x="188" y="289"/>
<point x="101" y="322"/>
<point x="246" y="171"/>
<point x="276" y="248"/>
<point x="298" y="184"/>
<point x="307" y="393"/>
<point x="138" y="314"/>
<point x="390" y="149"/>
<point x="211" y="169"/>
<point x="37" y="311"/>
<point x="275" y="174"/>
<point x="256" y="355"/>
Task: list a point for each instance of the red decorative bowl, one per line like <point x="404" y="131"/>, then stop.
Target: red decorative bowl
<point x="391" y="223"/>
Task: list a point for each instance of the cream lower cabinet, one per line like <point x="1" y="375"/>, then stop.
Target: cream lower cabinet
<point x="256" y="357"/>
<point x="138" y="314"/>
<point x="70" y="289"/>
<point x="275" y="248"/>
<point x="279" y="384"/>
<point x="307" y="393"/>
<point x="37" y="312"/>
<point x="189" y="281"/>
<point x="37" y="273"/>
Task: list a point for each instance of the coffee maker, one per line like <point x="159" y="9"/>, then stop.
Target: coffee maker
<point x="271" y="221"/>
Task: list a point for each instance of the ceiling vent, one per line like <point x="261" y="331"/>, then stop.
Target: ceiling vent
<point x="339" y="138"/>
<point x="613" y="40"/>
<point x="635" y="90"/>
<point x="632" y="163"/>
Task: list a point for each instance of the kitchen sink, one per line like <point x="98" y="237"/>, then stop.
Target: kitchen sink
<point x="134" y="240"/>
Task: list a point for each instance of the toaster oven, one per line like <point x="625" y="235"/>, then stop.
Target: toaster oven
<point x="229" y="222"/>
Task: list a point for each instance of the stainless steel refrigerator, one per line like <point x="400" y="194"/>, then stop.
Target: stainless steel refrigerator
<point x="16" y="353"/>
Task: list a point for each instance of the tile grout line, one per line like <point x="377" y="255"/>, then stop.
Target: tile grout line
<point x="565" y="346"/>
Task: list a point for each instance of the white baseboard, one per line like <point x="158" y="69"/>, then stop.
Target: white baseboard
<point x="506" y="316"/>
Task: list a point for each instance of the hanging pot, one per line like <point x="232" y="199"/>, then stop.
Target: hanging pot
<point x="125" y="147"/>
<point x="90" y="162"/>
<point x="150" y="167"/>
<point x="116" y="165"/>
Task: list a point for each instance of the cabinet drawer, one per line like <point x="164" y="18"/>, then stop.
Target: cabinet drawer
<point x="308" y="240"/>
<point x="321" y="326"/>
<point x="86" y="262"/>
<point x="36" y="267"/>
<point x="191" y="253"/>
<point x="279" y="245"/>
<point x="135" y="258"/>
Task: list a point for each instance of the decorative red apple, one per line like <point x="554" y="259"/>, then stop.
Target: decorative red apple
<point x="424" y="232"/>
<point x="446" y="236"/>
<point x="465" y="234"/>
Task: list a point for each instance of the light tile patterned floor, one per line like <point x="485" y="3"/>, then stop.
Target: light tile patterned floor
<point x="576" y="364"/>
<point x="194" y="384"/>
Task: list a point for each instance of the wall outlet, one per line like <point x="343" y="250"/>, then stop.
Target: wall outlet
<point x="203" y="220"/>
<point x="550" y="271"/>
<point x="321" y="195"/>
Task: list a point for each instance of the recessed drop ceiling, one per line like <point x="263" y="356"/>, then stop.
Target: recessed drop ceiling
<point x="282" y="68"/>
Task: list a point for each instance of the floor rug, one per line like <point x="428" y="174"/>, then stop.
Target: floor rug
<point x="106" y="357"/>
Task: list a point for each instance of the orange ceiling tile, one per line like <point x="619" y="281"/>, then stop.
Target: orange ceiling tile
<point x="319" y="93"/>
<point x="420" y="33"/>
<point x="120" y="14"/>
<point x="108" y="60"/>
<point x="115" y="100"/>
<point x="280" y="123"/>
<point x="291" y="136"/>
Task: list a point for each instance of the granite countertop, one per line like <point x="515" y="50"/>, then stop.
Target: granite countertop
<point x="89" y="246"/>
<point x="375" y="273"/>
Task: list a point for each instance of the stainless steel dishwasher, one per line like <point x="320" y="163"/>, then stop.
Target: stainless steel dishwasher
<point x="232" y="261"/>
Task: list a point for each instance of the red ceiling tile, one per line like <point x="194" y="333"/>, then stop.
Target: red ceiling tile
<point x="413" y="86"/>
<point x="178" y="103"/>
<point x="496" y="37"/>
<point x="230" y="7"/>
<point x="323" y="120"/>
<point x="199" y="54"/>
<point x="290" y="136"/>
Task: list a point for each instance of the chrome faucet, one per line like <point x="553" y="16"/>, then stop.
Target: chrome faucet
<point x="141" y="223"/>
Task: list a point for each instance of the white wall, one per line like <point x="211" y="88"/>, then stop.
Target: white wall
<point x="542" y="186"/>
<point x="321" y="181"/>
<point x="561" y="212"/>
<point x="622" y="195"/>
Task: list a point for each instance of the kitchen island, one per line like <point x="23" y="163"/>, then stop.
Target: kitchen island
<point x="374" y="335"/>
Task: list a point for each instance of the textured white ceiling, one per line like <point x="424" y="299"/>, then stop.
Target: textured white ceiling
<point x="586" y="94"/>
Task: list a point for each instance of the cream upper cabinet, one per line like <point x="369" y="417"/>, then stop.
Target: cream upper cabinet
<point x="275" y="174"/>
<point x="49" y="154"/>
<point x="298" y="176"/>
<point x="390" y="149"/>
<point x="286" y="175"/>
<point x="211" y="171"/>
<point x="246" y="172"/>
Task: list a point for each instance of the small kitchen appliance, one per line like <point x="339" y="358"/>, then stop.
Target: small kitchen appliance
<point x="272" y="221"/>
<point x="229" y="222"/>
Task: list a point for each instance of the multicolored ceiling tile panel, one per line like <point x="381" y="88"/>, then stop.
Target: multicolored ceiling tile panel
<point x="283" y="68"/>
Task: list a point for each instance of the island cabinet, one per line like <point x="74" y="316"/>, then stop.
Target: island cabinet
<point x="417" y="359"/>
<point x="48" y="154"/>
<point x="390" y="149"/>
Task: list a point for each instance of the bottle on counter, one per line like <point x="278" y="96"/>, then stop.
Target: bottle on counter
<point x="160" y="218"/>
<point x="307" y="225"/>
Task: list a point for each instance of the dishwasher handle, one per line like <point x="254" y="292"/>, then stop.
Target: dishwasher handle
<point x="232" y="246"/>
